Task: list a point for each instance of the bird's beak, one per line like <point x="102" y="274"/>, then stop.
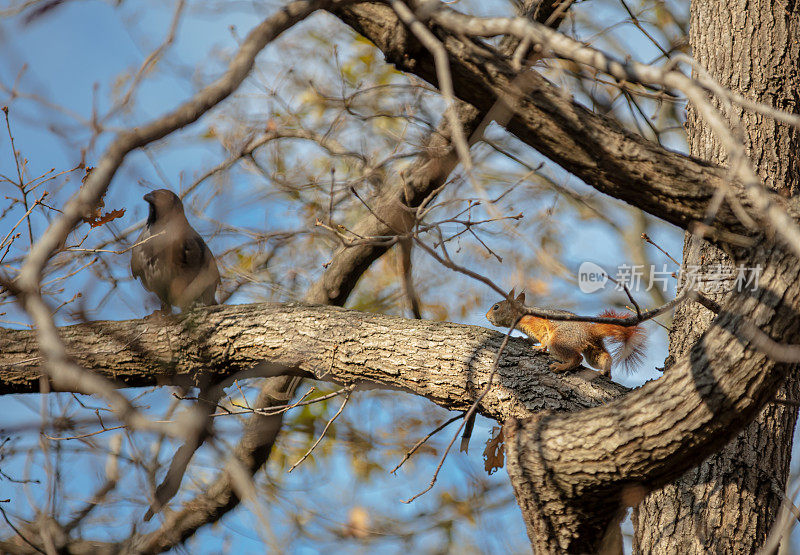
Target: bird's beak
<point x="149" y="198"/>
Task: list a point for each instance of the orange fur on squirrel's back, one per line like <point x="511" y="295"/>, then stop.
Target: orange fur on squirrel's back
<point x="630" y="340"/>
<point x="538" y="328"/>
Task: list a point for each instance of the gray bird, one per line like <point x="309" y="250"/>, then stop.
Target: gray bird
<point x="170" y="257"/>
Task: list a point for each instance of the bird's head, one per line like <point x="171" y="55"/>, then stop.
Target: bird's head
<point x="162" y="203"/>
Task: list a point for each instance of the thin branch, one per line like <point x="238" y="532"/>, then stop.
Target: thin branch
<point x="422" y="441"/>
<point x="324" y="430"/>
<point x="14" y="528"/>
<point x="469" y="414"/>
<point x="150" y="61"/>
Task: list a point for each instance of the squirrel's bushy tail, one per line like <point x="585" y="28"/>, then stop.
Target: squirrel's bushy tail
<point x="629" y="341"/>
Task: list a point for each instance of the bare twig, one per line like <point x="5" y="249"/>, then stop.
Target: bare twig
<point x="325" y="429"/>
<point x="646" y="237"/>
<point x="14" y="528"/>
<point x="422" y="441"/>
<point x="469" y="414"/>
<point x="150" y="61"/>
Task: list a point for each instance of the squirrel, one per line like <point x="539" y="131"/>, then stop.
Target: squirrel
<point x="569" y="341"/>
<point x="566" y="340"/>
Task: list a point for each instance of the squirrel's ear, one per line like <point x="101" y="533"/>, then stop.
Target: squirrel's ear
<point x="511" y="293"/>
<point x="521" y="297"/>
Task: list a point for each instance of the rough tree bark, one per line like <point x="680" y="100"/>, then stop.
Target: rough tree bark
<point x="444" y="362"/>
<point x="730" y="502"/>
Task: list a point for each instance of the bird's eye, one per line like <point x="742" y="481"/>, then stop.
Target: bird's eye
<point x="496" y="307"/>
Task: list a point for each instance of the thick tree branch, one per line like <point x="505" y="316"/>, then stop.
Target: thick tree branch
<point x="444" y="362"/>
<point x="595" y="148"/>
<point x="571" y="470"/>
<point x="395" y="207"/>
<point x="767" y="207"/>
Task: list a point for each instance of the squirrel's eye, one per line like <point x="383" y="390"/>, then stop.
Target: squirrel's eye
<point x="496" y="307"/>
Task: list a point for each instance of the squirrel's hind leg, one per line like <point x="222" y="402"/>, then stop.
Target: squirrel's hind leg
<point x="598" y="357"/>
<point x="569" y="359"/>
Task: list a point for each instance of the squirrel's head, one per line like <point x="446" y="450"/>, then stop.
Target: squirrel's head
<point x="506" y="311"/>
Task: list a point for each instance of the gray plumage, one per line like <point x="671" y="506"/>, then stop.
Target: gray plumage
<point x="170" y="257"/>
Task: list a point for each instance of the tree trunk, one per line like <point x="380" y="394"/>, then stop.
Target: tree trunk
<point x="729" y="503"/>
